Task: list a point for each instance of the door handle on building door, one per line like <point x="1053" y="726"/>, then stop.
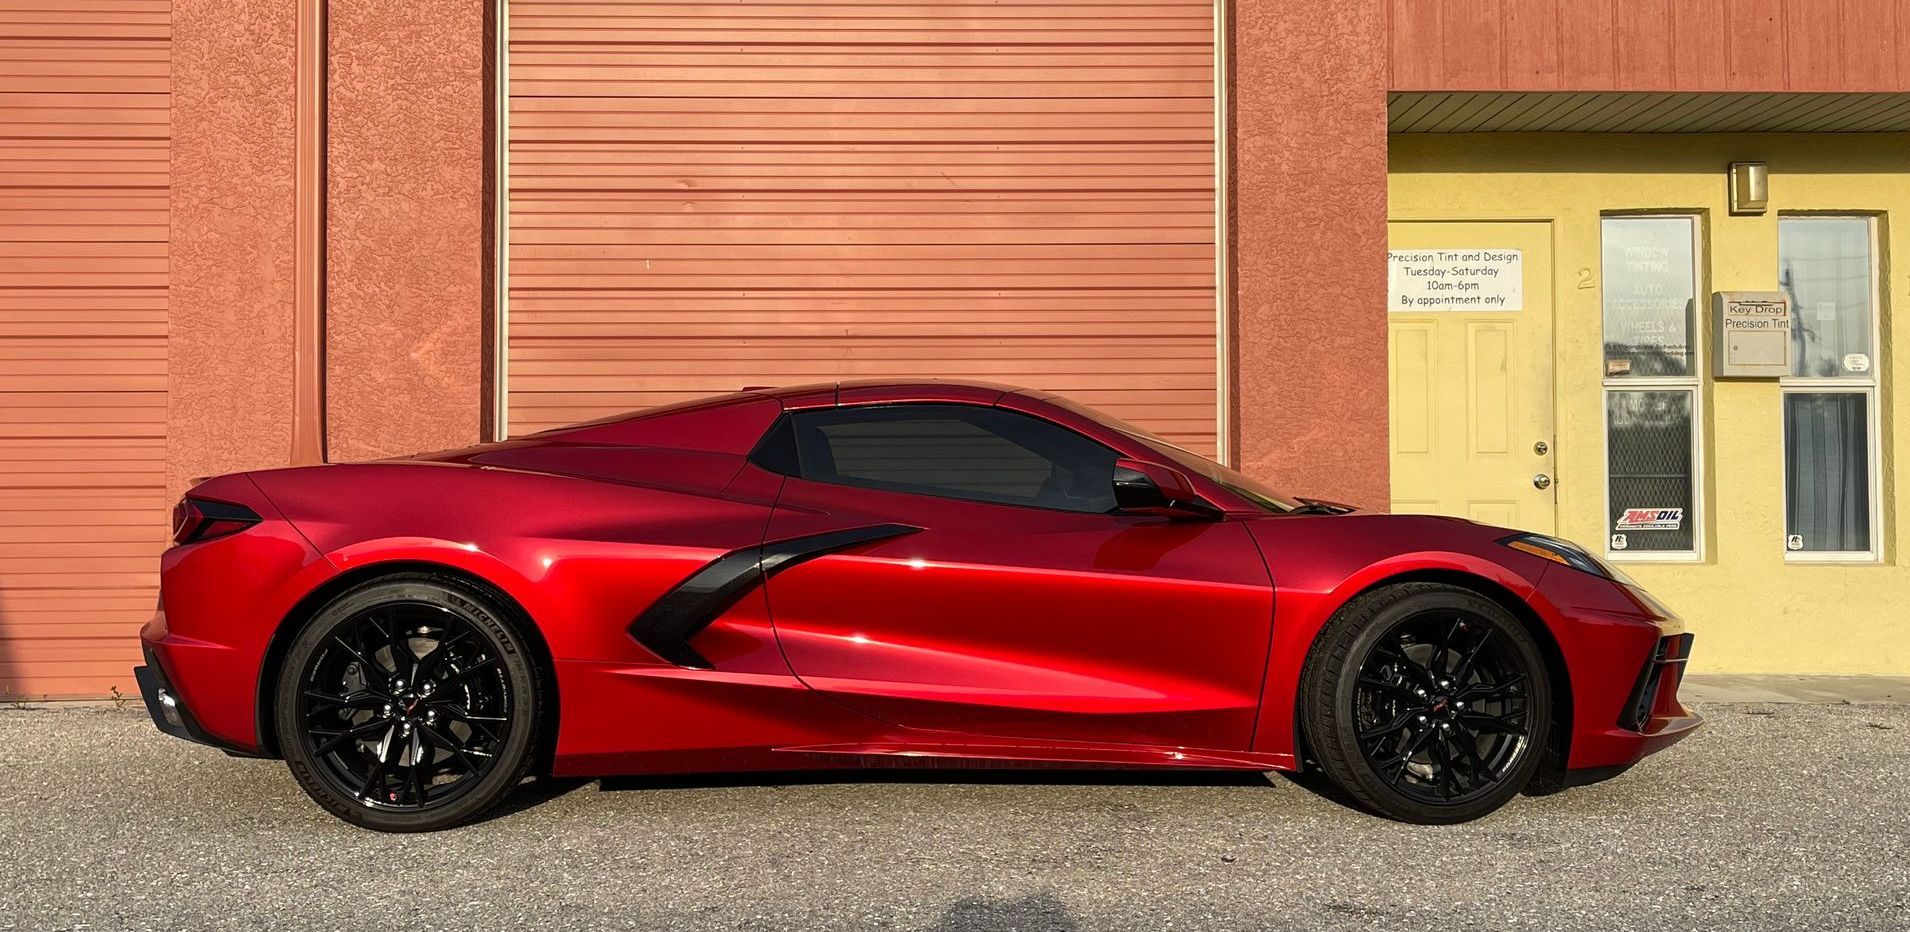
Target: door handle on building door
<point x="1541" y="481"/>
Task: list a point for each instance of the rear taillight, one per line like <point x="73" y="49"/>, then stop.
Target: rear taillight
<point x="196" y="519"/>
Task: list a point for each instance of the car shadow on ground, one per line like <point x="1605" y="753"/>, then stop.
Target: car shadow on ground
<point x="966" y="776"/>
<point x="538" y="791"/>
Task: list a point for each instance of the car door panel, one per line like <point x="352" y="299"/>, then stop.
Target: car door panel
<point x="1012" y="621"/>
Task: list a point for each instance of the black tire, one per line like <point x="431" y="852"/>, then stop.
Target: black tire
<point x="455" y="723"/>
<point x="1426" y="703"/>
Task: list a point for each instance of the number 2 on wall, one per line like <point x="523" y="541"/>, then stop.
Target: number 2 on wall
<point x="1584" y="279"/>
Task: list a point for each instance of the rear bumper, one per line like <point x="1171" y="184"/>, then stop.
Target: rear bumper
<point x="169" y="711"/>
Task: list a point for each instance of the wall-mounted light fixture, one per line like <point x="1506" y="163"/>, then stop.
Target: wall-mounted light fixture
<point x="1750" y="187"/>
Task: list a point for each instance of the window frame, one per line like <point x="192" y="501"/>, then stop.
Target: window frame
<point x="787" y="427"/>
<point x="1868" y="384"/>
<point x="1693" y="383"/>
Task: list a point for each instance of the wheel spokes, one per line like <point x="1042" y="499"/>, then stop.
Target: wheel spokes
<point x="1441" y="706"/>
<point x="459" y="676"/>
<point x="1393" y="727"/>
<point x="1442" y="651"/>
<point x="420" y="779"/>
<point x="363" y="700"/>
<point x="428" y="664"/>
<point x="358" y="655"/>
<point x="479" y="724"/>
<point x="1481" y="772"/>
<point x="441" y="740"/>
<point x="1401" y="690"/>
<point x="1508" y="688"/>
<point x="1465" y="665"/>
<point x="398" y="726"/>
<point x="404" y="663"/>
<point x="1482" y="723"/>
<point x="1442" y="768"/>
<point x="338" y="739"/>
<point x="1411" y="667"/>
<point x="374" y="779"/>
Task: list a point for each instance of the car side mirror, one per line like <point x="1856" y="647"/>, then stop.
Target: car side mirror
<point x="1142" y="488"/>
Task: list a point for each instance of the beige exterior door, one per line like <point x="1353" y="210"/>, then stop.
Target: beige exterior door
<point x="1470" y="331"/>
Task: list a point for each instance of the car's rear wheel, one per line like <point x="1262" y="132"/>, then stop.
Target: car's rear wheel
<point x="408" y="704"/>
<point x="1426" y="703"/>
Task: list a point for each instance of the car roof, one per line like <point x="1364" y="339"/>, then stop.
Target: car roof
<point x="949" y="389"/>
<point x="701" y="422"/>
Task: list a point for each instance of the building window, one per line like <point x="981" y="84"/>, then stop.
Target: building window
<point x="1652" y="370"/>
<point x="1832" y="502"/>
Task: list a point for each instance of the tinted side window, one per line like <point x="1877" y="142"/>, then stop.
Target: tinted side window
<point x="956" y="451"/>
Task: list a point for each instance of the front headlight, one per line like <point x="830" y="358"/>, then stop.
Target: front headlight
<point x="1566" y="553"/>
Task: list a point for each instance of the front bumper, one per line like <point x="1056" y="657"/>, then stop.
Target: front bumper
<point x="1651" y="719"/>
<point x="169" y="712"/>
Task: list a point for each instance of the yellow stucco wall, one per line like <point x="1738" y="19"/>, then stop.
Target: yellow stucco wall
<point x="1752" y="611"/>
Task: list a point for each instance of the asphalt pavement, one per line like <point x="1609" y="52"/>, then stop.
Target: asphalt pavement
<point x="1772" y="817"/>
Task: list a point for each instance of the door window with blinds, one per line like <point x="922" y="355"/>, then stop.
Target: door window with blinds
<point x="1651" y="376"/>
<point x="1828" y="267"/>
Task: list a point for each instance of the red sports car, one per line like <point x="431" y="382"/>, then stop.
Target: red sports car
<point x="922" y="573"/>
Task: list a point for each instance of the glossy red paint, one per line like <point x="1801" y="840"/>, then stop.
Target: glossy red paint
<point x="1027" y="622"/>
<point x="977" y="632"/>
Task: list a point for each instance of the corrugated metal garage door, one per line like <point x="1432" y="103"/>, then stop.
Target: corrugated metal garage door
<point x="710" y="195"/>
<point x="83" y="175"/>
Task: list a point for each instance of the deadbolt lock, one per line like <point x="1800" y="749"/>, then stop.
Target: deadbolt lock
<point x="1541" y="448"/>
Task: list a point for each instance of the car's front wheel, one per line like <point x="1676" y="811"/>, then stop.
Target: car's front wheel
<point x="1426" y="703"/>
<point x="408" y="704"/>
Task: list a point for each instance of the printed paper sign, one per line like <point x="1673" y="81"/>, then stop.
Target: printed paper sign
<point x="1455" y="280"/>
<point x="1652" y="519"/>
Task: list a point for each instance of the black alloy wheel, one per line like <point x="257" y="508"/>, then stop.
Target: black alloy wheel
<point x="1442" y="707"/>
<point x="406" y="705"/>
<point x="1427" y="703"/>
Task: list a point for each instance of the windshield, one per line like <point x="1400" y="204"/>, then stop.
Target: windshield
<point x="1250" y="490"/>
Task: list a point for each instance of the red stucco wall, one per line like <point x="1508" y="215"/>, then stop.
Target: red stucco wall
<point x="404" y="227"/>
<point x="405" y="269"/>
<point x="1309" y="101"/>
<point x="229" y="372"/>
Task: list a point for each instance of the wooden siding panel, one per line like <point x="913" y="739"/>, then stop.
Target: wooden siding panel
<point x="1700" y="53"/>
<point x="1471" y="32"/>
<point x="1754" y="36"/>
<point x="1642" y="37"/>
<point x="1020" y="192"/>
<point x="1768" y="46"/>
<point x="1531" y="36"/>
<point x="1588" y="56"/>
<point x="1867" y="43"/>
<point x="83" y="249"/>
<point x="1813" y="46"/>
<point x="1903" y="46"/>
<point x="1418" y="45"/>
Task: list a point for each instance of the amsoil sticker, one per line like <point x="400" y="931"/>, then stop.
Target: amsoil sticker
<point x="1651" y="519"/>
